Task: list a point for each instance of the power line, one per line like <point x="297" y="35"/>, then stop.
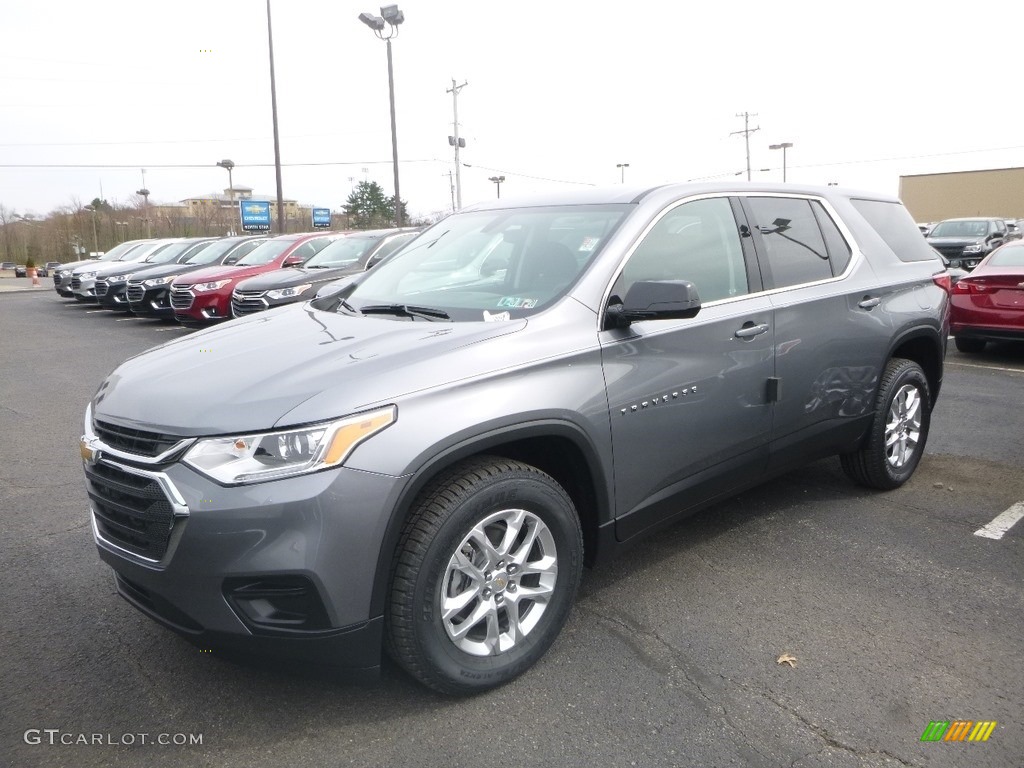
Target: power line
<point x="528" y="176"/>
<point x="206" y="165"/>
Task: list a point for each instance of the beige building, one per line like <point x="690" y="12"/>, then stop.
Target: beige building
<point x="937" y="196"/>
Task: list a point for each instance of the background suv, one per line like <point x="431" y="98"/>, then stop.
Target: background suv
<point x="204" y="296"/>
<point x="423" y="461"/>
<point x="965" y="242"/>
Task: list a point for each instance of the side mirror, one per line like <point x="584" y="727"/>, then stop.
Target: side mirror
<point x="656" y="300"/>
<point x="292" y="261"/>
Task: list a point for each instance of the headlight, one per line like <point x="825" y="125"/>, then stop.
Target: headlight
<point x="210" y="286"/>
<point x="273" y="455"/>
<point x="975" y="248"/>
<point x="117" y="278"/>
<point x="287" y="293"/>
<point x="64" y="272"/>
<point x="160" y="281"/>
<point x="86" y="275"/>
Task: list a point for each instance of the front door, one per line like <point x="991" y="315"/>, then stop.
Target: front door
<point x="689" y="399"/>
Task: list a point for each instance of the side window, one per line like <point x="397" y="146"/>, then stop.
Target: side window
<point x="315" y="246"/>
<point x="839" y="252"/>
<point x="792" y="241"/>
<point x="696" y="241"/>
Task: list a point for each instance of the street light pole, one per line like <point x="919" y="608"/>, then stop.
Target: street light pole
<point x="622" y="171"/>
<point x="783" y="146"/>
<point x="145" y="207"/>
<point x="277" y="138"/>
<point x="229" y="165"/>
<point x="393" y="17"/>
<point x="95" y="239"/>
<point x="497" y="180"/>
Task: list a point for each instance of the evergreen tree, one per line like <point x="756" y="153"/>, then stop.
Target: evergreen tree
<point x="368" y="208"/>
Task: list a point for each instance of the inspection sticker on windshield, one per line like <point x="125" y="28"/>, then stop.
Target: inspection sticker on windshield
<point x="514" y="302"/>
<point x="589" y="243"/>
<point x="497" y="316"/>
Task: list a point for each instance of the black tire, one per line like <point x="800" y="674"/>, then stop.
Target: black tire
<point x="969" y="345"/>
<point x="874" y="465"/>
<point x="439" y="547"/>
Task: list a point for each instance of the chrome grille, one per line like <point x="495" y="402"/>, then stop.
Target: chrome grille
<point x="247" y="302"/>
<point x="181" y="296"/>
<point x="76" y="283"/>
<point x="134" y="440"/>
<point x="135" y="292"/>
<point x="101" y="287"/>
<point x="131" y="510"/>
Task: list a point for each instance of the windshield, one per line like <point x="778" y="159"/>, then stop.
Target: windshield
<point x="212" y="252"/>
<point x="266" y="253"/>
<point x="486" y="265"/>
<point x="115" y="253"/>
<point x="1008" y="256"/>
<point x="168" y="253"/>
<point x="960" y="229"/>
<point x="343" y="252"/>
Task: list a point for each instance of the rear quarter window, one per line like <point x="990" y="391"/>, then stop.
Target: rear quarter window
<point x="897" y="229"/>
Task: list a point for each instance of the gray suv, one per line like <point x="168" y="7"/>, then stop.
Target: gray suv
<point x="424" y="461"/>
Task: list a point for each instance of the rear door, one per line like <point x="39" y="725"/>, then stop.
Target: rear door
<point x="831" y="337"/>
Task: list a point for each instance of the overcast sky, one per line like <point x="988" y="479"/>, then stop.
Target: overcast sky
<point x="559" y="93"/>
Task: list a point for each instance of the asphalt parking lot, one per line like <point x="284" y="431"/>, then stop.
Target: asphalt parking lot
<point x="895" y="612"/>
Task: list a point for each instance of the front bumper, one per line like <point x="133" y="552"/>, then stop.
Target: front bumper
<point x="151" y="302"/>
<point x="112" y="295"/>
<point x="284" y="568"/>
<point x="193" y="308"/>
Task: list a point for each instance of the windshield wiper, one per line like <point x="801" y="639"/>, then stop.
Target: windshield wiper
<point x="406" y="310"/>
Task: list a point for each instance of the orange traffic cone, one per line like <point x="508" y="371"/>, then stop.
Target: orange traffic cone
<point x="35" y="279"/>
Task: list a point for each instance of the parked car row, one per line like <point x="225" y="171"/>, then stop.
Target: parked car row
<point x="201" y="280"/>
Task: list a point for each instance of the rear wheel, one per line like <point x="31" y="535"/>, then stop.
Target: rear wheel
<point x="899" y="431"/>
<point x="969" y="345"/>
<point x="484" y="577"/>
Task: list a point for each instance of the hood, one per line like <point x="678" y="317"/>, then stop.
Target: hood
<point x="286" y="278"/>
<point x="105" y="268"/>
<point x="248" y="374"/>
<point x="223" y="272"/>
<point x="162" y="270"/>
<point x="73" y="265"/>
<point x="950" y="241"/>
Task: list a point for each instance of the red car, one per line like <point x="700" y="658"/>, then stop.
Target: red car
<point x="988" y="304"/>
<point x="204" y="296"/>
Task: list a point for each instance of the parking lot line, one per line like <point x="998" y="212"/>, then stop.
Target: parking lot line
<point x="1002" y="523"/>
<point x="133" y="317"/>
<point x="172" y="328"/>
<point x="986" y="367"/>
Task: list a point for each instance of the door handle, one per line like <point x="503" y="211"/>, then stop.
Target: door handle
<point x="750" y="331"/>
<point x="869" y="303"/>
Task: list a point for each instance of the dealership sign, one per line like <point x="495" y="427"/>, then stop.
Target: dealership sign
<point x="321" y="217"/>
<point x="255" y="216"/>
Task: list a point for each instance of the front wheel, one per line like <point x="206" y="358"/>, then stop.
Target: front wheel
<point x="899" y="430"/>
<point x="484" y="577"/>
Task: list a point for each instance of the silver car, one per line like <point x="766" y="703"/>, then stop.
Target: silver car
<point x="423" y="461"/>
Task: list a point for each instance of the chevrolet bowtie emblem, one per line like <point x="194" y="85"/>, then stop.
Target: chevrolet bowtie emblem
<point x="89" y="454"/>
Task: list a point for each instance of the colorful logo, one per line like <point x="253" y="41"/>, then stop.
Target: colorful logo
<point x="958" y="730"/>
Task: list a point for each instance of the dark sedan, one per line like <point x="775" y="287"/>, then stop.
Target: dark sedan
<point x="988" y="304"/>
<point x="350" y="255"/>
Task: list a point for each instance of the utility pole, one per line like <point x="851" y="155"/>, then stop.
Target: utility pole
<point x="455" y="141"/>
<point x="747" y="130"/>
